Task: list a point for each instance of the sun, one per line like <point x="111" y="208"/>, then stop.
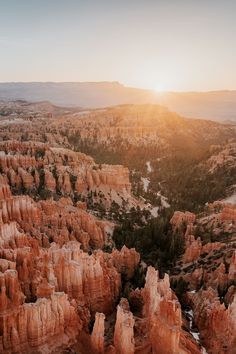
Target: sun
<point x="159" y="88"/>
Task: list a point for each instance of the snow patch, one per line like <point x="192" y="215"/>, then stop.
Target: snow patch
<point x="154" y="212"/>
<point x="149" y="167"/>
<point x="164" y="202"/>
<point x="195" y="334"/>
<point x="146" y="182"/>
<point x="231" y="199"/>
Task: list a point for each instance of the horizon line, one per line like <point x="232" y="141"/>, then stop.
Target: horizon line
<point x="120" y="84"/>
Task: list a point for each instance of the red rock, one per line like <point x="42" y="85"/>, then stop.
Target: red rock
<point x="124" y="329"/>
<point x="88" y="279"/>
<point x="52" y="322"/>
<point x="192" y="249"/>
<point x="5" y="191"/>
<point x="163" y="314"/>
<point x="228" y="213"/>
<point x="21" y="209"/>
<point x="10" y="292"/>
<point x="29" y="159"/>
<point x="179" y="219"/>
<point x="211" y="246"/>
<point x="232" y="267"/>
<point x="97" y="336"/>
<point x="49" y="180"/>
<point x="217" y="324"/>
<point x="126" y="260"/>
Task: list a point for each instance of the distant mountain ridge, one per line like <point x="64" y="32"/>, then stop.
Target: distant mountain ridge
<point x="214" y="105"/>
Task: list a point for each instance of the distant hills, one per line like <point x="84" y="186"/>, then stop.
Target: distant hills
<point x="214" y="105"/>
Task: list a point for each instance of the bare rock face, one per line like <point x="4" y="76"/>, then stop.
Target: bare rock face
<point x="88" y="279"/>
<point x="34" y="166"/>
<point x="232" y="267"/>
<point x="97" y="336"/>
<point x="164" y="320"/>
<point x="11" y="295"/>
<point x="21" y="209"/>
<point x="71" y="223"/>
<point x="193" y="249"/>
<point x="218" y="278"/>
<point x="126" y="260"/>
<point x="52" y="322"/>
<point x="49" y="286"/>
<point x="211" y="246"/>
<point x="5" y="191"/>
<point x="217" y="324"/>
<point x="124" y="329"/>
<point x="179" y="219"/>
<point x="163" y="313"/>
<point x="228" y="213"/>
<point x="49" y="180"/>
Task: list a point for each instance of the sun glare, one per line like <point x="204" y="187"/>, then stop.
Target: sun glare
<point x="159" y="88"/>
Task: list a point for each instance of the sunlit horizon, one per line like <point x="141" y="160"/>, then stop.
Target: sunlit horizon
<point x="159" y="89"/>
<point x="179" y="46"/>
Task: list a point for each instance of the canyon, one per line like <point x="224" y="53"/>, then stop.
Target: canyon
<point x="65" y="285"/>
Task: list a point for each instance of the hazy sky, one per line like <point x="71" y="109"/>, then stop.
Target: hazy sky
<point x="162" y="44"/>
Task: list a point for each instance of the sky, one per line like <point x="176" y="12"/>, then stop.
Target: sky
<point x="177" y="45"/>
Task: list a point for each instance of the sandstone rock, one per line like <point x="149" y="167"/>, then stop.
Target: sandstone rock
<point x="21" y="209"/>
<point x="34" y="165"/>
<point x="5" y="191"/>
<point x="97" y="336"/>
<point x="217" y="324"/>
<point x="179" y="219"/>
<point x="228" y="213"/>
<point x="124" y="329"/>
<point x="211" y="246"/>
<point x="88" y="279"/>
<point x="10" y="292"/>
<point x="49" y="180"/>
<point x="232" y="267"/>
<point x="193" y="249"/>
<point x="125" y="260"/>
<point x="53" y="322"/>
<point x="163" y="313"/>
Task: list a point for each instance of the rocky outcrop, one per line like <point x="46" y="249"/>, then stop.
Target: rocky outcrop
<point x="163" y="314"/>
<point x="232" y="268"/>
<point x="217" y="324"/>
<point x="50" y="286"/>
<point x="124" y="329"/>
<point x="164" y="320"/>
<point x="97" y="336"/>
<point x="193" y="249"/>
<point x="37" y="167"/>
<point x="126" y="260"/>
<point x="88" y="279"/>
<point x="67" y="223"/>
<point x="10" y="292"/>
<point x="48" y="324"/>
<point x="21" y="209"/>
<point x="228" y="213"/>
<point x="182" y="219"/>
<point x="5" y="191"/>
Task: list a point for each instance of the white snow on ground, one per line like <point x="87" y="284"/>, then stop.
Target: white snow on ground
<point x="231" y="199"/>
<point x="154" y="212"/>
<point x="149" y="167"/>
<point x="164" y="202"/>
<point x="146" y="182"/>
<point x="13" y="121"/>
<point x="196" y="335"/>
